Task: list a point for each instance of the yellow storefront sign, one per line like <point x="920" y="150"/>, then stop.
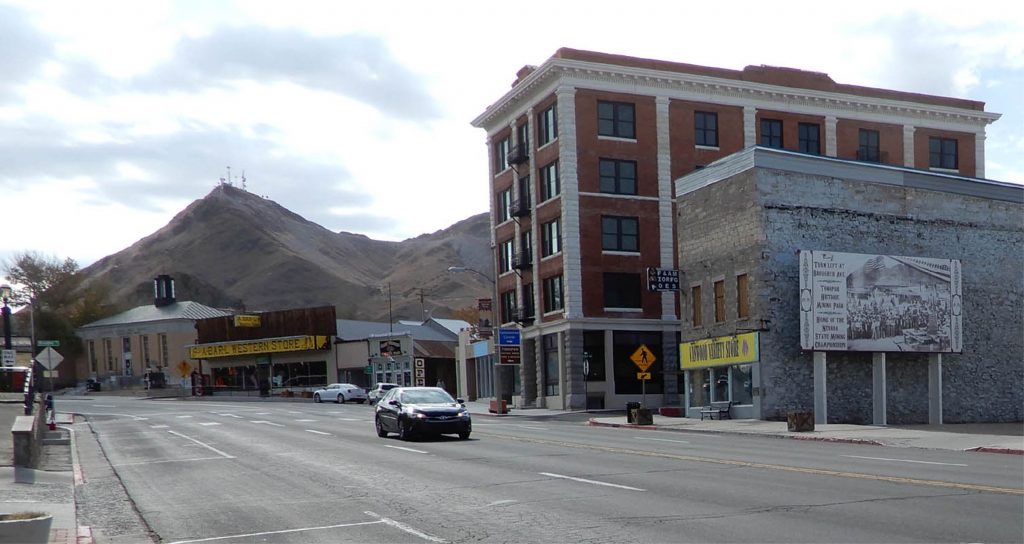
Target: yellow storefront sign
<point x="723" y="350"/>
<point x="250" y="347"/>
<point x="247" y="321"/>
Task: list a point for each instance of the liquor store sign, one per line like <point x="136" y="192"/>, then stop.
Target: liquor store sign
<point x="266" y="345"/>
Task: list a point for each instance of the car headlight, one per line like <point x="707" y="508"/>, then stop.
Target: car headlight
<point x="414" y="414"/>
<point x="463" y="413"/>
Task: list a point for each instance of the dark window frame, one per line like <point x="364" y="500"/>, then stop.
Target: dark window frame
<point x="614" y="236"/>
<point x="501" y="150"/>
<point x="550" y="182"/>
<point x="622" y="290"/>
<point x="547" y="126"/>
<point x="551" y="242"/>
<point x="614" y="176"/>
<point x="616" y="119"/>
<point x="869" y="145"/>
<point x="809" y="138"/>
<point x="771" y="133"/>
<point x="943" y="153"/>
<point x="705" y="133"/>
<point x="554" y="294"/>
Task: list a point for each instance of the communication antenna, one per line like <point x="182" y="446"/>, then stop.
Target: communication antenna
<point x="230" y="181"/>
<point x="243" y="180"/>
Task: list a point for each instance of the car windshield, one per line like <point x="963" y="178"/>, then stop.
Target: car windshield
<point x="427" y="396"/>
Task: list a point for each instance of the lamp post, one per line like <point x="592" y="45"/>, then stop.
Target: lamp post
<point x="5" y="293"/>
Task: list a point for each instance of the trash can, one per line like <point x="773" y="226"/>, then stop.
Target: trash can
<point x="630" y="406"/>
<point x="800" y="421"/>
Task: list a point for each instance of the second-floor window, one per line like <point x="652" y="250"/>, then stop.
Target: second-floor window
<point x="145" y="349"/>
<point x="549" y="184"/>
<point x="942" y="153"/>
<point x="526" y="247"/>
<point x="551" y="237"/>
<point x="501" y="149"/>
<point x="705" y="126"/>
<point x="616" y="119"/>
<point x="547" y="126"/>
<point x="621" y="290"/>
<point x="719" y="301"/>
<point x="868" y="147"/>
<point x="553" y="297"/>
<point x="771" y="133"/>
<point x="809" y="138"/>
<point x="620" y="233"/>
<point x="503" y="205"/>
<point x="92" y="356"/>
<point x="742" y="302"/>
<point x="697" y="312"/>
<point x="528" y="308"/>
<point x="505" y="256"/>
<point x="618" y="177"/>
<point x="165" y="356"/>
<point x="508" y="306"/>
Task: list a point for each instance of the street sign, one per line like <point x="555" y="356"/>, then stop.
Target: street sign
<point x="48" y="343"/>
<point x="509" y="355"/>
<point x="368" y="370"/>
<point x="49" y="358"/>
<point x="509" y="337"/>
<point x="643" y="375"/>
<point x="662" y="279"/>
<point x="184" y="368"/>
<point x="9" y="356"/>
<point x="643" y="358"/>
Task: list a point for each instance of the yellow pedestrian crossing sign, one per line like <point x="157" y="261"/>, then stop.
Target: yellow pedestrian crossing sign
<point x="643" y="358"/>
<point x="643" y="375"/>
<point x="184" y="368"/>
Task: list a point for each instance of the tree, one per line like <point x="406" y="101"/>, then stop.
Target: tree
<point x="37" y="279"/>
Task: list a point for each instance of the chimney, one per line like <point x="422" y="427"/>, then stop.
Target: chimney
<point x="163" y="290"/>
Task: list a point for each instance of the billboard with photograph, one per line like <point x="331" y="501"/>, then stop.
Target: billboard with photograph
<point x="879" y="303"/>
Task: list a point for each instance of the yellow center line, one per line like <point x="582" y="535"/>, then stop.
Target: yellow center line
<point x="770" y="466"/>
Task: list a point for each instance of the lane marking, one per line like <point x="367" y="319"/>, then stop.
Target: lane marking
<point x="294" y="412"/>
<point x="316" y="432"/>
<point x="182" y="417"/>
<point x="662" y="440"/>
<point x="158" y="426"/>
<point x="104" y="406"/>
<point x="405" y="449"/>
<point x="532" y="427"/>
<point x="348" y="419"/>
<point x="501" y="503"/>
<point x="768" y="466"/>
<point x="586" y="481"/>
<point x="406" y="528"/>
<point x="267" y="423"/>
<point x="209" y="423"/>
<point x="207" y="446"/>
<point x="281" y="532"/>
<point x="167" y="461"/>
<point x="305" y="420"/>
<point x="232" y="415"/>
<point x="906" y="461"/>
<point x="262" y="414"/>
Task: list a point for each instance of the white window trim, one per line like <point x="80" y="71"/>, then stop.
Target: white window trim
<point x="616" y="139"/>
<point x="944" y="170"/>
<point x="620" y="253"/>
<point x="708" y="147"/>
<point x="553" y="312"/>
<point x="622" y="196"/>
<point x="624" y="310"/>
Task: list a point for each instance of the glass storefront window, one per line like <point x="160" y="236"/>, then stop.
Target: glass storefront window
<point x="720" y="384"/>
<point x="742" y="384"/>
<point x="700" y="387"/>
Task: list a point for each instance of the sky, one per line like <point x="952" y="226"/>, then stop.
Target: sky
<point x="114" y="116"/>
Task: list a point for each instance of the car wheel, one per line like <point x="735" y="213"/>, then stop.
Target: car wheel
<point x="381" y="432"/>
<point x="316" y="397"/>
<point x="404" y="432"/>
<point x="464" y="435"/>
<point x="340" y="399"/>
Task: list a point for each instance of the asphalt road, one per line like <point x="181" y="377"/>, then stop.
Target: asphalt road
<point x="200" y="471"/>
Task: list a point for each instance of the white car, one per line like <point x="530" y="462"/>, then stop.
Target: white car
<point x="340" y="393"/>
<point x="379" y="391"/>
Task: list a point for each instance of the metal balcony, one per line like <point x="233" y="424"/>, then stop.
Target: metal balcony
<point x="519" y="154"/>
<point x="522" y="260"/>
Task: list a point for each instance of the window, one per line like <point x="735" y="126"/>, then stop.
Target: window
<point x="165" y="358"/>
<point x="618" y="177"/>
<point x="551" y="241"/>
<point x="549" y="185"/>
<point x="553" y="298"/>
<point x="92" y="356"/>
<point x="108" y="349"/>
<point x="742" y="304"/>
<point x="550" y="345"/>
<point x="547" y="126"/>
<point x="616" y="119"/>
<point x="503" y="205"/>
<point x="719" y="301"/>
<point x="620" y="233"/>
<point x="705" y="126"/>
<point x="528" y="308"/>
<point x="593" y="352"/>
<point x="942" y="153"/>
<point x="505" y="256"/>
<point x="508" y="306"/>
<point x="697" y="314"/>
<point x="868" y="148"/>
<point x="621" y="290"/>
<point x="525" y="255"/>
<point x="810" y="138"/>
<point x="523" y="137"/>
<point x="771" y="133"/>
<point x="501" y="150"/>
<point x="525" y="191"/>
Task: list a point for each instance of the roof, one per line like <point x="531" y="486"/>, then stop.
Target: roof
<point x="454" y="325"/>
<point x="351" y="330"/>
<point x="187" y="310"/>
<point x="817" y="165"/>
<point x="435" y="349"/>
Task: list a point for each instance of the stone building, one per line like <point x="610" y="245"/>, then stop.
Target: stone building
<point x="742" y="224"/>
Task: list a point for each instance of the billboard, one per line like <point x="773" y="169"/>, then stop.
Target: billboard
<point x="880" y="303"/>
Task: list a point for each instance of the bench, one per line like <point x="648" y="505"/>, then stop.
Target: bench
<point x="717" y="408"/>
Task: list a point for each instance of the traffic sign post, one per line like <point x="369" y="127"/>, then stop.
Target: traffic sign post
<point x="49" y="358"/>
<point x="643" y="358"/>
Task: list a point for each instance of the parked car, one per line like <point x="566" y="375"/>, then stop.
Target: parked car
<point x="414" y="411"/>
<point x="379" y="391"/>
<point x="92" y="384"/>
<point x="340" y="393"/>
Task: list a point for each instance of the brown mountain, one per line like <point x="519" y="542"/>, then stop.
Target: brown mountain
<point x="234" y="249"/>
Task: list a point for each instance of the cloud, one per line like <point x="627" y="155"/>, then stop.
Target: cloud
<point x="25" y="50"/>
<point x="357" y="66"/>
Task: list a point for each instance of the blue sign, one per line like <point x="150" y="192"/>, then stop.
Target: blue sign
<point x="509" y="337"/>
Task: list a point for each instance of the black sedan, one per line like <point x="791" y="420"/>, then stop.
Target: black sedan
<point x="413" y="411"/>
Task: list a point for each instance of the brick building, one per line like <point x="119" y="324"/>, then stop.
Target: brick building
<point x="583" y="153"/>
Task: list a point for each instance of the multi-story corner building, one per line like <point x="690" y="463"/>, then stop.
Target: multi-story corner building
<point x="583" y="153"/>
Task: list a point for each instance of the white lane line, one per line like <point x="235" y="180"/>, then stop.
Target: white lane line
<point x="533" y="427"/>
<point x="586" y="481"/>
<point x="207" y="446"/>
<point x="209" y="423"/>
<point x="281" y="532"/>
<point x="348" y="419"/>
<point x="406" y="449"/>
<point x="906" y="461"/>
<point x="404" y="527"/>
<point x="267" y="423"/>
<point x="305" y="420"/>
<point x="104" y="406"/>
<point x="262" y="414"/>
<point x="662" y="440"/>
<point x="316" y="432"/>
<point x="158" y="426"/>
<point x="232" y="415"/>
<point x="168" y="461"/>
<point x="182" y="417"/>
<point x="294" y="412"/>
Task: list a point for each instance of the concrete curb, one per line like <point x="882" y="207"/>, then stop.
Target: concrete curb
<point x="865" y="442"/>
<point x="986" y="449"/>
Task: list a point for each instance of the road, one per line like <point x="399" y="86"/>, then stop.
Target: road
<point x="212" y="471"/>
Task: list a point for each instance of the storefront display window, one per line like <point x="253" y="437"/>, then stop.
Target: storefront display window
<point x="700" y="387"/>
<point x="742" y="384"/>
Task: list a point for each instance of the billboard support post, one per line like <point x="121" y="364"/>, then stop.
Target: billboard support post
<point x="820" y="398"/>
<point x="935" y="389"/>
<point x="878" y="401"/>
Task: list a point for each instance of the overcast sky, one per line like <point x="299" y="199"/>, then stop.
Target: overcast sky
<point x="114" y="116"/>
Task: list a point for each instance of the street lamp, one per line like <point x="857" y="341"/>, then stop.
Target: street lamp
<point x="5" y="293"/>
<point x="467" y="269"/>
